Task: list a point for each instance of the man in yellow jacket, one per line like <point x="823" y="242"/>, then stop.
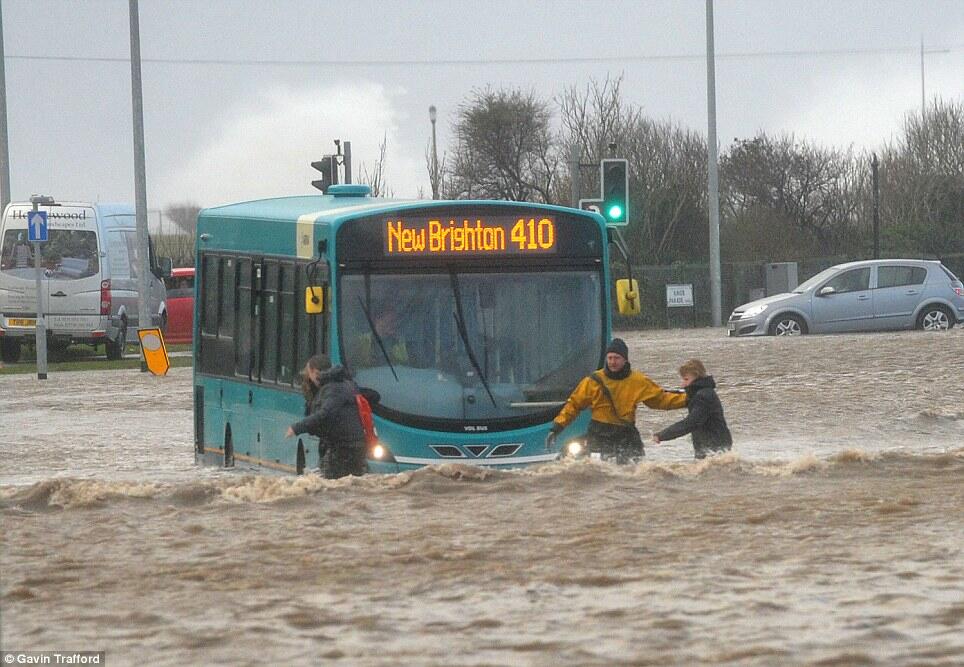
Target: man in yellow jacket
<point x="612" y="394"/>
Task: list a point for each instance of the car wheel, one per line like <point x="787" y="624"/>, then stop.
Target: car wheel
<point x="935" y="318"/>
<point x="116" y="348"/>
<point x="10" y="350"/>
<point x="788" y="325"/>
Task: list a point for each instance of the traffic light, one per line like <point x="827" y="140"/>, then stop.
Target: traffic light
<point x="615" y="191"/>
<point x="328" y="166"/>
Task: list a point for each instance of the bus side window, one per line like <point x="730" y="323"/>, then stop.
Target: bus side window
<point x="269" y="321"/>
<point x="243" y="347"/>
<point x="288" y="305"/>
<point x="209" y="299"/>
<point x="228" y="306"/>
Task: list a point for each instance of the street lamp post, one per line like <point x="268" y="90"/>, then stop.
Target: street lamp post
<point x="713" y="178"/>
<point x="432" y="115"/>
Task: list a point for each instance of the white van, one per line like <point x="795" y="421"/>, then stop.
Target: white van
<point x="90" y="280"/>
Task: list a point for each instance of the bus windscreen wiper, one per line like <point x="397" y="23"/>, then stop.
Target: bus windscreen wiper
<point x="378" y="339"/>
<point x="464" y="335"/>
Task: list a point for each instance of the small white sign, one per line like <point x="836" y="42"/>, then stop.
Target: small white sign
<point x="679" y="295"/>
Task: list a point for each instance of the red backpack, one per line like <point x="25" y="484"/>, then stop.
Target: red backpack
<point x="367" y="422"/>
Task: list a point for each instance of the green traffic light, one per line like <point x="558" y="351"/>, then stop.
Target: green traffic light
<point x="615" y="211"/>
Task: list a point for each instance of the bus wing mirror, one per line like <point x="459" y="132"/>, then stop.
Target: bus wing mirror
<point x="314" y="300"/>
<point x="627" y="296"/>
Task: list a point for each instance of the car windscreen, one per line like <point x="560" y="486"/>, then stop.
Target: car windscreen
<point x="68" y="254"/>
<point x="816" y="280"/>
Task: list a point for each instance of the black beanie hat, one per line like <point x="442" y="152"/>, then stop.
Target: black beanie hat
<point x="619" y="347"/>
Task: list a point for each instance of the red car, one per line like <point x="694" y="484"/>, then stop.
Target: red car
<point x="180" y="306"/>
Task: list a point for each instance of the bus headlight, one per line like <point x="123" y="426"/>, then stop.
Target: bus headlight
<point x="575" y="448"/>
<point x="380" y="453"/>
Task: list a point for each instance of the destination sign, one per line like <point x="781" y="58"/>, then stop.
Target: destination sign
<point x="475" y="235"/>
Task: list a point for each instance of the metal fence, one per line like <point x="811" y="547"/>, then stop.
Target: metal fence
<point x="741" y="282"/>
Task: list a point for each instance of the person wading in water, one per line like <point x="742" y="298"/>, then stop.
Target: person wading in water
<point x="612" y="393"/>
<point x="332" y="417"/>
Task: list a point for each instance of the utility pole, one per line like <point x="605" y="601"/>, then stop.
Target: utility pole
<point x="432" y="116"/>
<point x="713" y="178"/>
<point x="923" y="103"/>
<point x="4" y="146"/>
<point x="575" y="176"/>
<point x="873" y="168"/>
<point x="140" y="178"/>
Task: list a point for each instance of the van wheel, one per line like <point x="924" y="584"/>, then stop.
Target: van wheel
<point x="935" y="318"/>
<point x="115" y="348"/>
<point x="788" y="325"/>
<point x="10" y="350"/>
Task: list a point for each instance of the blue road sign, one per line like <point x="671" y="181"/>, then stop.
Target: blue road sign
<point x="37" y="226"/>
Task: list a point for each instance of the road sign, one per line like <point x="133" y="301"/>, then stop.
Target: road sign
<point x="37" y="226"/>
<point x="679" y="295"/>
<point x="154" y="350"/>
<point x="594" y="205"/>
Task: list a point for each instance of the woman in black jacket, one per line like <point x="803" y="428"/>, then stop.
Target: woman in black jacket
<point x="705" y="420"/>
<point x="332" y="417"/>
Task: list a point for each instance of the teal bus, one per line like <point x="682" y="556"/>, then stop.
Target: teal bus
<point x="473" y="320"/>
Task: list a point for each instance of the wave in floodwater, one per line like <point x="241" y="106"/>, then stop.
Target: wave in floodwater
<point x="68" y="493"/>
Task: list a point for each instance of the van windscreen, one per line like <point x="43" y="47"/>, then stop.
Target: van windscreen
<point x="68" y="254"/>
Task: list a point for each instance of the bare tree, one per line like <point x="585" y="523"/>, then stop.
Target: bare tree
<point x="784" y="183"/>
<point x="922" y="184"/>
<point x="504" y="150"/>
<point x="667" y="167"/>
<point x="375" y="179"/>
<point x="184" y="216"/>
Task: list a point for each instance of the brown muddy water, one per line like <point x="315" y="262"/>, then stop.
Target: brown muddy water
<point x="833" y="534"/>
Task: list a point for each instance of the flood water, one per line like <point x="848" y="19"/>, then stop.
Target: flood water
<point x="833" y="534"/>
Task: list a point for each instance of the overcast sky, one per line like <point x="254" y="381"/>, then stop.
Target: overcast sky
<point x="247" y="126"/>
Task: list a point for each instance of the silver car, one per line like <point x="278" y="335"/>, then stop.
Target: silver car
<point x="871" y="295"/>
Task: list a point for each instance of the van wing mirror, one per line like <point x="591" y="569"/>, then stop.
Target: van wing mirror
<point x="314" y="300"/>
<point x="627" y="296"/>
<point x="166" y="267"/>
<point x="826" y="290"/>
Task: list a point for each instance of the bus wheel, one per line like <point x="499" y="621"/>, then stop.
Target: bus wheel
<point x="115" y="348"/>
<point x="10" y="350"/>
<point x="228" y="448"/>
<point x="300" y="461"/>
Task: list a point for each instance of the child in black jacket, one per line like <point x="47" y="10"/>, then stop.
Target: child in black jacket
<point x="705" y="420"/>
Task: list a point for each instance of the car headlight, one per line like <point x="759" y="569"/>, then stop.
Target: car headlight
<point x="755" y="310"/>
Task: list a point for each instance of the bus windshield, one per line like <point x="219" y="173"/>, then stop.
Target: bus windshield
<point x="471" y="346"/>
